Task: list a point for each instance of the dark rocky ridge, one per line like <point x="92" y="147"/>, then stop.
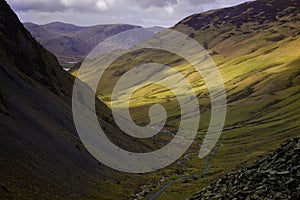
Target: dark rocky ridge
<point x="275" y="177"/>
<point x="20" y="50"/>
<point x="41" y="156"/>
<point x="260" y="11"/>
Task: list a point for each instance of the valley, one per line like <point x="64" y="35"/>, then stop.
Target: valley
<point x="259" y="63"/>
<point x="255" y="46"/>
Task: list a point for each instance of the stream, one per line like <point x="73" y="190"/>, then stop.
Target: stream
<point x="154" y="195"/>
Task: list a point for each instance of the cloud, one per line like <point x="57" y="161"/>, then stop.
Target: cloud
<point x="155" y="3"/>
<point x="61" y="5"/>
<point x="203" y="2"/>
<point x="91" y="12"/>
<point x="169" y="9"/>
<point x="51" y="6"/>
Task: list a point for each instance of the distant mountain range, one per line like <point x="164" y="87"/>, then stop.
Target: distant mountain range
<point x="71" y="43"/>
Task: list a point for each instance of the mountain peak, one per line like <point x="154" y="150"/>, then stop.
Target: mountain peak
<point x="24" y="53"/>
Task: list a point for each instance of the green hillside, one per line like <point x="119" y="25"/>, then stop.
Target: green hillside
<point x="256" y="48"/>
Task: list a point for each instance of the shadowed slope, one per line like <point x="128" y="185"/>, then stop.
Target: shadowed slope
<point x="41" y="156"/>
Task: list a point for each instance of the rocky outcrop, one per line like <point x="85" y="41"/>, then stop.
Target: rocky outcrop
<point x="275" y="177"/>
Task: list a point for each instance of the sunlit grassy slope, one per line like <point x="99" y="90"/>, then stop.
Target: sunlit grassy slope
<point x="258" y="59"/>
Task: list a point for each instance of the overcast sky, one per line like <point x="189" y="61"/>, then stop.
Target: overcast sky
<point x="90" y="12"/>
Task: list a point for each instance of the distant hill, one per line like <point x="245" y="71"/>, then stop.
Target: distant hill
<point x="72" y="43"/>
<point x="123" y="41"/>
<point x="229" y="30"/>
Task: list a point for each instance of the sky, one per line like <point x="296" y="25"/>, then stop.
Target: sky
<point x="146" y="13"/>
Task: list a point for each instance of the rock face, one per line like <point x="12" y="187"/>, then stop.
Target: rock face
<point x="275" y="177"/>
<point x="41" y="156"/>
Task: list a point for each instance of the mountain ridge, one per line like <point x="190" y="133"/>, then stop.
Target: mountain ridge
<point x="71" y="43"/>
<point x="41" y="155"/>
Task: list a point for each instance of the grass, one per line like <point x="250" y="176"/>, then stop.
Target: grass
<point x="262" y="79"/>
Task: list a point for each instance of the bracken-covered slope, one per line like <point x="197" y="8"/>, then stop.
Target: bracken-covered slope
<point x="228" y="31"/>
